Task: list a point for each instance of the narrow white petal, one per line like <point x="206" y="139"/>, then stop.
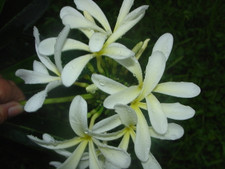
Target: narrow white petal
<point x="54" y="144"/>
<point x="177" y="111"/>
<point x="174" y="132"/>
<point x="107" y="136"/>
<point x="63" y="152"/>
<point x="133" y="66"/>
<point x="142" y="140"/>
<point x="157" y="116"/>
<point x="73" y="69"/>
<point x="60" y="41"/>
<point x="37" y="100"/>
<point x="122" y="97"/>
<point x="55" y="164"/>
<point x="178" y="89"/>
<point x="106" y="84"/>
<point x="116" y="156"/>
<point x="31" y="77"/>
<point x="78" y="115"/>
<point x="107" y="124"/>
<point x="96" y="41"/>
<point x="124" y="10"/>
<point x="154" y="71"/>
<point x="118" y="51"/>
<point x="73" y="161"/>
<point x="92" y="8"/>
<point x="93" y="159"/>
<point x="39" y="67"/>
<point x="152" y="163"/>
<point x="164" y="44"/>
<point x="67" y="10"/>
<point x="127" y="114"/>
<point x="47" y="46"/>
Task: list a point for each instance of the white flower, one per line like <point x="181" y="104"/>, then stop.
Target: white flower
<point x="101" y="40"/>
<point x="144" y="90"/>
<point x="79" y="124"/>
<point x="40" y="73"/>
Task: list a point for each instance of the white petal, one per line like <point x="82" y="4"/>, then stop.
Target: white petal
<point x="54" y="144"/>
<point x="93" y="159"/>
<point x="178" y="89"/>
<point x="125" y="27"/>
<point x="133" y="66"/>
<point x="37" y="100"/>
<point x="73" y="69"/>
<point x="154" y="72"/>
<point x="106" y="84"/>
<point x="39" y="67"/>
<point x="60" y="41"/>
<point x="152" y="163"/>
<point x="157" y="116"/>
<point x="177" y="111"/>
<point x="63" y="153"/>
<point x="164" y="44"/>
<point x="92" y="8"/>
<point x="31" y="77"/>
<point x="174" y="132"/>
<point x="47" y="46"/>
<point x="74" y="159"/>
<point x="118" y="51"/>
<point x="122" y="97"/>
<point x="80" y="23"/>
<point x="127" y="114"/>
<point x="78" y="115"/>
<point x="55" y="164"/>
<point x="67" y="10"/>
<point x="116" y="156"/>
<point x="124" y="10"/>
<point x="142" y="140"/>
<point x="96" y="41"/>
<point x="107" y="136"/>
<point x="106" y="124"/>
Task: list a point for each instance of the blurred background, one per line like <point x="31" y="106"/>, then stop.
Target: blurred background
<point x="198" y="56"/>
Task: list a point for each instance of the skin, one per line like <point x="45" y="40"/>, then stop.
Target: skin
<point x="10" y="95"/>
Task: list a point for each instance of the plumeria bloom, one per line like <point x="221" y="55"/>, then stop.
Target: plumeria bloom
<point x="40" y="73"/>
<point x="101" y="40"/>
<point x="158" y="113"/>
<point x="78" y="122"/>
<point x="129" y="119"/>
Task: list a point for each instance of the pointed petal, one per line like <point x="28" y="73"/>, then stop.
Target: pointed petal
<point x="74" y="159"/>
<point x="73" y="69"/>
<point x="37" y="100"/>
<point x="124" y="10"/>
<point x="164" y="44"/>
<point x="177" y="111"/>
<point x="129" y="22"/>
<point x="174" y="132"/>
<point x="154" y="71"/>
<point x="55" y="164"/>
<point x="106" y="124"/>
<point x="178" y="89"/>
<point x="117" y="51"/>
<point x="67" y="10"/>
<point x="96" y="41"/>
<point x="93" y="159"/>
<point x="31" y="77"/>
<point x="60" y="41"/>
<point x="142" y="140"/>
<point x="122" y="97"/>
<point x="92" y="8"/>
<point x="133" y="66"/>
<point x="39" y="67"/>
<point x="107" y="136"/>
<point x="106" y="84"/>
<point x="127" y="114"/>
<point x="47" y="46"/>
<point x="54" y="144"/>
<point x="116" y="156"/>
<point x="152" y="163"/>
<point x="63" y="152"/>
<point x="78" y="115"/>
<point x="157" y="116"/>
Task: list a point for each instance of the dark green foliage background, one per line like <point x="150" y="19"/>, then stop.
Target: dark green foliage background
<point x="198" y="55"/>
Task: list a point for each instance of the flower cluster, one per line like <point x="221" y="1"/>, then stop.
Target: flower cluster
<point x="136" y="113"/>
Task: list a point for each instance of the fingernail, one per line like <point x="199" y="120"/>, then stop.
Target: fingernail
<point x="15" y="110"/>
